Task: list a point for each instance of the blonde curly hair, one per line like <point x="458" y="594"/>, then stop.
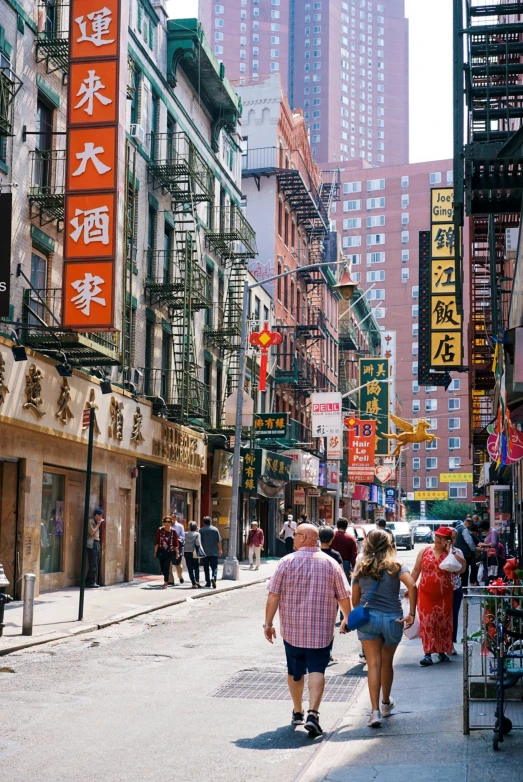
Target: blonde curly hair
<point x="378" y="555"/>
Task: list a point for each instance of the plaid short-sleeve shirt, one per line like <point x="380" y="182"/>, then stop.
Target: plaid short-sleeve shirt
<point x="309" y="584"/>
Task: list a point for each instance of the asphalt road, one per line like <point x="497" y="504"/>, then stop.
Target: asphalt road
<point x="135" y="701"/>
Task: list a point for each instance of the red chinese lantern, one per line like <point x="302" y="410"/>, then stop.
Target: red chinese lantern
<point x="263" y="340"/>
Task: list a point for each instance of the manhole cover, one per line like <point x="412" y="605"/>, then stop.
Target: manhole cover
<point x="254" y="685"/>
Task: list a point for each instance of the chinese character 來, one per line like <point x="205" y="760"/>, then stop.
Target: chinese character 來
<point x="88" y="289"/>
<point x="89" y="90"/>
<point x="99" y="23"/>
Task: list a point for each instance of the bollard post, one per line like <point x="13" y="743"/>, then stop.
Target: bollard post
<point x="3" y="597"/>
<point x="29" y="599"/>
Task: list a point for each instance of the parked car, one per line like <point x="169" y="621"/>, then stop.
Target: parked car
<point x="403" y="534"/>
<point x="423" y="534"/>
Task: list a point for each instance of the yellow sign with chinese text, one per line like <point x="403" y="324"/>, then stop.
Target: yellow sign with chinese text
<point x="446" y="350"/>
<point x="456" y="477"/>
<point x="443" y="240"/>
<point x="443" y="277"/>
<point x="430" y="495"/>
<point x="442" y="205"/>
<point x="444" y="313"/>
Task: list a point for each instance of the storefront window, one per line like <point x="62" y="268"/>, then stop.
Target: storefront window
<point x="182" y="503"/>
<point x="52" y="523"/>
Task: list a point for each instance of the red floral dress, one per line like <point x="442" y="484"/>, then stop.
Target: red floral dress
<point x="434" y="606"/>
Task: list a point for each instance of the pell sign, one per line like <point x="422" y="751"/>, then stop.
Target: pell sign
<point x="326" y="414"/>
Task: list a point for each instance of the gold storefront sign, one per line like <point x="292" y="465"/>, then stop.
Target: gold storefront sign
<point x="443" y="240"/>
<point x="444" y="313"/>
<point x="446" y="351"/>
<point x="430" y="495"/>
<point x="442" y="205"/>
<point x="443" y="277"/>
<point x="456" y="477"/>
<point x="180" y="448"/>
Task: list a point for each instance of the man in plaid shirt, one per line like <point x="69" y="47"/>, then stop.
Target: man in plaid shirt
<point x="306" y="589"/>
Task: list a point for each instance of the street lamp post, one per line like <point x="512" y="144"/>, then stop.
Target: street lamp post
<point x="231" y="567"/>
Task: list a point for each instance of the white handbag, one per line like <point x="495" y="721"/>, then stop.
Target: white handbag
<point x="450" y="564"/>
<point x="413" y="631"/>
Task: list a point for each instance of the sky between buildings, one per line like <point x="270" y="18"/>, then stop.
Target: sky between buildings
<point x="430" y="74"/>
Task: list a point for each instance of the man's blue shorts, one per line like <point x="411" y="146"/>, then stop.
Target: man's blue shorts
<point x="301" y="661"/>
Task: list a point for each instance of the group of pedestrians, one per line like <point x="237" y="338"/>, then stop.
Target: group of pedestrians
<point x="310" y="583"/>
<point x="484" y="553"/>
<point x="204" y="545"/>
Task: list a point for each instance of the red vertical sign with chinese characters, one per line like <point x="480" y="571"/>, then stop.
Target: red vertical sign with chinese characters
<point x="94" y="162"/>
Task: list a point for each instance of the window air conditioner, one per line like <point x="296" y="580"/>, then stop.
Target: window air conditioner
<point x="138" y="132"/>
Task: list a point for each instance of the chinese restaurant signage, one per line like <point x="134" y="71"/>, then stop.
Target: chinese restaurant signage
<point x="425" y="376"/>
<point x="6" y="208"/>
<point x="271" y="425"/>
<point x="326" y="414"/>
<point x="374" y="398"/>
<point x="453" y="477"/>
<point x="362" y="444"/>
<point x="94" y="167"/>
<point x="446" y="339"/>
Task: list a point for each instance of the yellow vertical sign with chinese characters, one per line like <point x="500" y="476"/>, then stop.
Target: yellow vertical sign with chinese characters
<point x="374" y="398"/>
<point x="446" y="323"/>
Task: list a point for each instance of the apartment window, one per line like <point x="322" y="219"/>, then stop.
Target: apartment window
<point x="375" y="258"/>
<point x="219" y="22"/>
<point x="415" y="405"/>
<point x="218" y="49"/>
<point x="351" y="222"/>
<point x="457" y="491"/>
<point x="219" y="9"/>
<point x="354" y="259"/>
<point x="450" y="177"/>
<point x="275" y="66"/>
<point x="416" y="463"/>
<point x="431" y="462"/>
<point x="405" y="218"/>
<point x="376" y="203"/>
<point x="375" y="221"/>
<point x="416" y="446"/>
<point x="404" y="275"/>
<point x="431" y="483"/>
<point x="405" y="199"/>
<point x="378" y="276"/>
<point x="454" y="443"/>
<point x="431" y="405"/>
<point x="351" y="187"/>
<point x="435" y="179"/>
<point x="404" y="182"/>
<point x="454" y="424"/>
<point x="405" y="237"/>
<point x="351" y="241"/>
<point x="415" y="387"/>
<point x="415" y="310"/>
<point x="351" y="206"/>
<point x="454" y="462"/>
<point x="455" y="385"/>
<point x="405" y="255"/>
<point x="375" y="184"/>
<point x="416" y="482"/>
<point x="433" y="446"/>
<point x="218" y="36"/>
<point x="376" y="294"/>
<point x="275" y="52"/>
<point x="379" y="313"/>
<point x="415" y="349"/>
<point x="454" y="404"/>
<point x="414" y="367"/>
<point x="373" y="239"/>
<point x="415" y="329"/>
<point x="275" y="40"/>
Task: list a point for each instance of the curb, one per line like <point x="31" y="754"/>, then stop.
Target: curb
<point x="39" y="640"/>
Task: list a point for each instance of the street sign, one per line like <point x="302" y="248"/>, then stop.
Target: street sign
<point x="86" y="417"/>
<point x="272" y="425"/>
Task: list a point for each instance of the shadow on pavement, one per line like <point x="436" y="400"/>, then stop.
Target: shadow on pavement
<point x="285" y="737"/>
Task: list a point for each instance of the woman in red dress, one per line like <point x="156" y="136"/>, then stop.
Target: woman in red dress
<point x="435" y="594"/>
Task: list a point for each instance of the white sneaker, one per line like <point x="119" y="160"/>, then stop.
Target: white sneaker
<point x="386" y="708"/>
<point x="374" y="720"/>
<point x="251" y="567"/>
<point x="256" y="568"/>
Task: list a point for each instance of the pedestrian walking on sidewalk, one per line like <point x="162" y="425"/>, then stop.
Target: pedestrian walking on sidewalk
<point x="212" y="545"/>
<point x="435" y="597"/>
<point x="346" y="546"/>
<point x="192" y="553"/>
<point x="177" y="561"/>
<point x="306" y="590"/>
<point x="326" y="537"/>
<point x="457" y="595"/>
<point x="166" y="548"/>
<point x="466" y="543"/>
<point x="376" y="585"/>
<point x="93" y="548"/>
<point x="287" y="533"/>
<point x="255" y="541"/>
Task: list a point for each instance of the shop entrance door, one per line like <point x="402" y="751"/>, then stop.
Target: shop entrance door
<point x="149" y="516"/>
<point x="9" y="524"/>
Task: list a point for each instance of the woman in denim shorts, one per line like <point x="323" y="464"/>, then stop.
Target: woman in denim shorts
<point x="381" y="635"/>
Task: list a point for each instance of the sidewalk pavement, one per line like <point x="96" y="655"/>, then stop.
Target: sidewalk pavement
<point x="55" y="613"/>
<point x="422" y="741"/>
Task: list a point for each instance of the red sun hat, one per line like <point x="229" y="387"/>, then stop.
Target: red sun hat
<point x="444" y="532"/>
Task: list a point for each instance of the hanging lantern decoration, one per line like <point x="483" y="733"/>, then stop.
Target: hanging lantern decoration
<point x="264" y="340"/>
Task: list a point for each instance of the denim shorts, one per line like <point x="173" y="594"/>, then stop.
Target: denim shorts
<point x="384" y="626"/>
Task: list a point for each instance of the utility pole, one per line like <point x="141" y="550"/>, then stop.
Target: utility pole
<point x="88" y="417"/>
